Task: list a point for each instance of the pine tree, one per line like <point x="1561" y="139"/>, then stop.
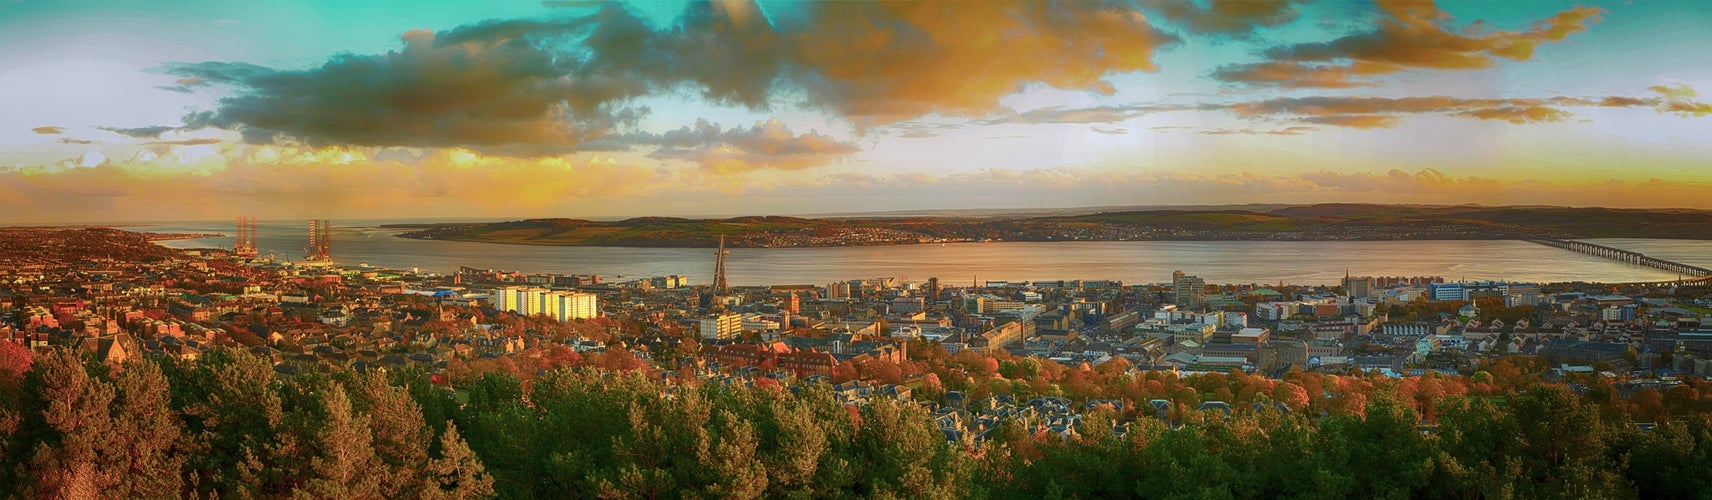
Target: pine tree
<point x="148" y="430"/>
<point x="72" y="429"/>
<point x="457" y="474"/>
<point x="400" y="437"/>
<point x="345" y="465"/>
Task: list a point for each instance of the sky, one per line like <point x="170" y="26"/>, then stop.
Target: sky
<point x="137" y="110"/>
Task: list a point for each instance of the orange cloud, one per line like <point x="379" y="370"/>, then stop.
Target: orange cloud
<point x="881" y="62"/>
<point x="1024" y="189"/>
<point x="277" y="182"/>
<point x="1354" y="121"/>
<point x="1517" y="114"/>
<point x="48" y="130"/>
<point x="1679" y="100"/>
<point x="1411" y="34"/>
<point x="1228" y="17"/>
<point x="292" y="182"/>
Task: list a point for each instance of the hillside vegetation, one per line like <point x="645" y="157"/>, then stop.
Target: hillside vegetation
<point x="1312" y="222"/>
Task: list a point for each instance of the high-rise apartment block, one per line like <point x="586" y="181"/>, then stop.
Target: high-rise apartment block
<point x="560" y="305"/>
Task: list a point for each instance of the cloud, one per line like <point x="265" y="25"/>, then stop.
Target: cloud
<point x="1227" y="17"/>
<point x="542" y="87"/>
<point x="768" y="144"/>
<point x="1092" y="114"/>
<point x="1411" y="34"/>
<point x="1354" y="121"/>
<point x="48" y="130"/>
<point x="483" y="87"/>
<point x="292" y="182"/>
<point x="186" y="84"/>
<point x="1385" y="112"/>
<point x="69" y="140"/>
<point x="284" y="181"/>
<point x="1517" y="114"/>
<point x="1679" y="100"/>
<point x="1295" y="130"/>
<point x="92" y="159"/>
<point x="1291" y="74"/>
<point x="887" y="61"/>
<point x="200" y="141"/>
<point x="141" y="132"/>
<point x="1003" y="188"/>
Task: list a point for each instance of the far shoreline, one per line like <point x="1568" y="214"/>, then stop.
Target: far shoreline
<point x="1184" y="240"/>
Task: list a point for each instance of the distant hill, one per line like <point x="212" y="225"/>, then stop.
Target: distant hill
<point x="1338" y="221"/>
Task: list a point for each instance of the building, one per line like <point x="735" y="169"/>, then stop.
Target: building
<point x="1358" y="287"/>
<point x="721" y="326"/>
<point x="1287" y="353"/>
<point x="517" y="299"/>
<point x="669" y="282"/>
<point x="1445" y="291"/>
<point x="838" y="290"/>
<point x="998" y="337"/>
<point x="560" y="305"/>
<point x="1189" y="290"/>
<point x="1618" y="313"/>
<point x="1251" y="336"/>
<point x="906" y="305"/>
<point x="975" y="304"/>
<point x="566" y="306"/>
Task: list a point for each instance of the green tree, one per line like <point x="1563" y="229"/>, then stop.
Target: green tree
<point x="149" y="434"/>
<point x="344" y="464"/>
<point x="457" y="474"/>
<point x="400" y="437"/>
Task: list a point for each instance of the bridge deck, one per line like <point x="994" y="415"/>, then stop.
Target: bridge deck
<point x="1698" y="274"/>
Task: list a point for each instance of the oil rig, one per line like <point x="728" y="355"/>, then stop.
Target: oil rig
<point x="319" y="250"/>
<point x="245" y="246"/>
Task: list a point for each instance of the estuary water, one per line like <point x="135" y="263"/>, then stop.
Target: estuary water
<point x="1294" y="262"/>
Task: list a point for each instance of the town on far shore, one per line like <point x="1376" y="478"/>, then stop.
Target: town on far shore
<point x="118" y="296"/>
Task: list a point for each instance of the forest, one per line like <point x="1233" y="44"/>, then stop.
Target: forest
<point x="606" y="426"/>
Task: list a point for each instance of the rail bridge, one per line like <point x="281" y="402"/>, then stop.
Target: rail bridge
<point x="1692" y="274"/>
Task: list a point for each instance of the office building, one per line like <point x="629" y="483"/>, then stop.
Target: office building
<point x="1189" y="290"/>
<point x="1358" y="287"/>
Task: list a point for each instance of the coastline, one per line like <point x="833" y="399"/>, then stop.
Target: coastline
<point x="156" y="237"/>
<point x="730" y="245"/>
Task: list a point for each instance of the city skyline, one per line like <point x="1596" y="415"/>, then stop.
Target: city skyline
<point x="204" y="110"/>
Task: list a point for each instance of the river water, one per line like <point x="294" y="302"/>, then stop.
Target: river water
<point x="1304" y="262"/>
